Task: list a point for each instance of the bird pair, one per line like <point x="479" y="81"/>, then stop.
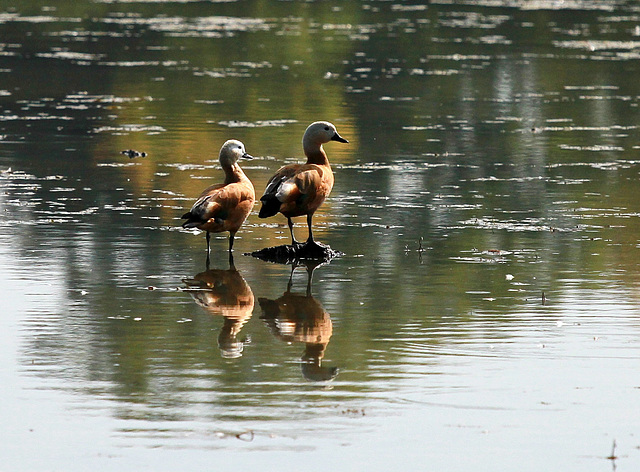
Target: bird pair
<point x="294" y="190"/>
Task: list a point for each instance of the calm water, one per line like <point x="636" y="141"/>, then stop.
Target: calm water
<point x="485" y="315"/>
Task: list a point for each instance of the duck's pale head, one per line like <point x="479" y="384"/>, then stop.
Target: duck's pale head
<point x="231" y="151"/>
<point x="321" y="132"/>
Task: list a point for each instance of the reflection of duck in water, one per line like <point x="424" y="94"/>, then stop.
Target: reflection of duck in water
<point x="226" y="293"/>
<point x="301" y="318"/>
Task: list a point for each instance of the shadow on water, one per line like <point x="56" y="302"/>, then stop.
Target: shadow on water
<point x="300" y="318"/>
<point x="224" y="292"/>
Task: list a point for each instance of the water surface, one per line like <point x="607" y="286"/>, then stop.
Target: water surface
<point x="485" y="312"/>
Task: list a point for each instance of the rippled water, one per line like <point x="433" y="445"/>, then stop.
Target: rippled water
<point x="484" y="314"/>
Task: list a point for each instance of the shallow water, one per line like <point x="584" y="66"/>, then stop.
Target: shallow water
<point x="484" y="314"/>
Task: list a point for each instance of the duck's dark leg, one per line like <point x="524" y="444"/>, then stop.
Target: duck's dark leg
<point x="231" y="238"/>
<point x="293" y="238"/>
<point x="310" y="238"/>
<point x="208" y="253"/>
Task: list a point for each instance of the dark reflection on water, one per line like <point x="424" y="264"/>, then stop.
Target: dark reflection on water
<point x="487" y="209"/>
<point x="300" y="318"/>
<point x="225" y="293"/>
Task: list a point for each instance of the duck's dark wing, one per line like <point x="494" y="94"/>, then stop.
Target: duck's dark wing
<point x="207" y="206"/>
<point x="272" y="197"/>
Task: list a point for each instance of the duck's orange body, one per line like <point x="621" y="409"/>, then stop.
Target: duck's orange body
<point x="303" y="187"/>
<point x="300" y="189"/>
<point x="224" y="207"/>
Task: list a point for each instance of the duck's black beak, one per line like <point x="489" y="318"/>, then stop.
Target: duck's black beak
<point x="247" y="156"/>
<point x="340" y="139"/>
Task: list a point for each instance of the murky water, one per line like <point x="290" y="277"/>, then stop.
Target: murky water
<point x="485" y="315"/>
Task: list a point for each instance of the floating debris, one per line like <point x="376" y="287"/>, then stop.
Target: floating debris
<point x="247" y="436"/>
<point x="133" y="154"/>
<point x="613" y="456"/>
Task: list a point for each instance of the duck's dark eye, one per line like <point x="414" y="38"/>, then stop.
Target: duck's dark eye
<point x="326" y="128"/>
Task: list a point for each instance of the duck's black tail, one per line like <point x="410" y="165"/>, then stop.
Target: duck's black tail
<point x="191" y="222"/>
<point x="270" y="206"/>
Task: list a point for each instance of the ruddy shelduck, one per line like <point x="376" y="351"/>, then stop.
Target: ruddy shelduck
<point x="299" y="189"/>
<point x="224" y="207"/>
